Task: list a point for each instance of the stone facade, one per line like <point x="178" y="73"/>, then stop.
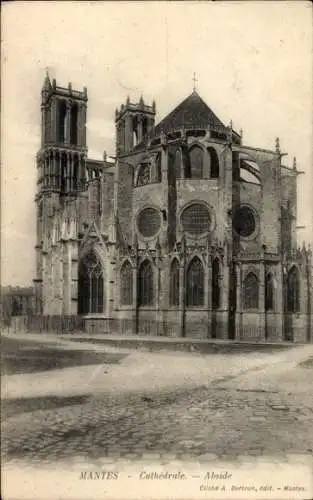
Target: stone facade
<point x="189" y="232"/>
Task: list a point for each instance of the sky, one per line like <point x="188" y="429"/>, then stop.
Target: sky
<point x="253" y="62"/>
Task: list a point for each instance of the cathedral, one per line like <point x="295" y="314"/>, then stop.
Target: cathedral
<point x="187" y="233"/>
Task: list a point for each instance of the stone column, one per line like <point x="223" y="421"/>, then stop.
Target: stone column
<point x="239" y="311"/>
<point x="135" y="302"/>
<point x="128" y="134"/>
<point x="49" y="168"/>
<point x="157" y="293"/>
<point x="164" y="163"/>
<point x="66" y="274"/>
<point x="182" y="298"/>
<point x="43" y="125"/>
<point x="263" y="325"/>
<point x="44" y="178"/>
<point x="182" y="288"/>
<point x="140" y="129"/>
<point x="80" y="124"/>
<point x="79" y="171"/>
<point x="68" y="172"/>
<point x="83" y="124"/>
<point x="68" y="122"/>
<point x="279" y="292"/>
<point x="58" y="169"/>
<point x="73" y="261"/>
<point x="110" y="284"/>
<point x="53" y="127"/>
<point x="208" y="295"/>
<point x="54" y="169"/>
<point x="224" y="311"/>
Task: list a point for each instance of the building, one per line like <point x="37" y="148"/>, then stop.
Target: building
<point x="189" y="232"/>
<point x="16" y="301"/>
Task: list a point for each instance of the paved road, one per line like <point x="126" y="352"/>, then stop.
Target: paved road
<point x="251" y="411"/>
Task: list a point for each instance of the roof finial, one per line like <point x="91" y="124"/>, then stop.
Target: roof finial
<point x="194" y="82"/>
<point x="277" y="145"/>
<point x="47" y="83"/>
<point x="294" y="165"/>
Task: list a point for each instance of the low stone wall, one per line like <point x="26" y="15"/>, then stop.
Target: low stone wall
<point x="197" y="324"/>
<point x="57" y="324"/>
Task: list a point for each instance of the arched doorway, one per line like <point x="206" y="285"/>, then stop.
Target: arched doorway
<point x="90" y="285"/>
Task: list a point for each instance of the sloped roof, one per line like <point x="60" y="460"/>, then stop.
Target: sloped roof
<point x="191" y="112"/>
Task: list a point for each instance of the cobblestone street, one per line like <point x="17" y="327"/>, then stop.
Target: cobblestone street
<point x="256" y="412"/>
<point x="205" y="421"/>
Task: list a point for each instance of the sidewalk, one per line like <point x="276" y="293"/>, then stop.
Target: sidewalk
<point x="149" y="343"/>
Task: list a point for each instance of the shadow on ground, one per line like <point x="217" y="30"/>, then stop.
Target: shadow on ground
<point x="12" y="407"/>
<point x="30" y="357"/>
<point x="205" y="347"/>
<point x="308" y="363"/>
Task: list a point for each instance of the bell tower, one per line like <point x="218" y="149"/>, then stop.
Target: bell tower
<point x="61" y="175"/>
<point x="133" y="122"/>
<point x="62" y="156"/>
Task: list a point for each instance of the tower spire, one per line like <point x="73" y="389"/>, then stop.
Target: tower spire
<point x="194" y="82"/>
<point x="47" y="82"/>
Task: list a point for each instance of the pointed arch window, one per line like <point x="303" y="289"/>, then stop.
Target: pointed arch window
<point x="214" y="164"/>
<point x="155" y="175"/>
<point x="216" y="292"/>
<point x="251" y="292"/>
<point x="145" y="284"/>
<point x="195" y="283"/>
<point x="74" y="123"/>
<point x="269" y="292"/>
<point x="126" y="284"/>
<point x="62" y="120"/>
<point x="174" y="283"/>
<point x="196" y="162"/>
<point x="90" y="285"/>
<point x="143" y="174"/>
<point x="293" y="291"/>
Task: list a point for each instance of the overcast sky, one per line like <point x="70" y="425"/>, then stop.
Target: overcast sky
<point x="253" y="62"/>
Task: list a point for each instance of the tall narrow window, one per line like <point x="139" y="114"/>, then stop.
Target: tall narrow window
<point x="269" y="292"/>
<point x="126" y="283"/>
<point x="216" y="294"/>
<point x="174" y="283"/>
<point x="135" y="131"/>
<point x="144" y="126"/>
<point x="214" y="164"/>
<point x="196" y="162"/>
<point x="90" y="285"/>
<point x="62" y="121"/>
<point x="145" y="284"/>
<point x="251" y="291"/>
<point x="63" y="172"/>
<point x="143" y="174"/>
<point x="293" y="295"/>
<point x="74" y="124"/>
<point x="195" y="283"/>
